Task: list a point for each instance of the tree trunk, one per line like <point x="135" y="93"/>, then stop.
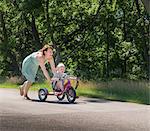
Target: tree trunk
<point x="4" y="31"/>
<point x="107" y="51"/>
<point x="137" y="6"/>
<point x="11" y="65"/>
<point x="124" y="25"/>
<point x="58" y="57"/>
<point x="35" y="34"/>
<point x="124" y="66"/>
<point x="147" y="5"/>
<point x="146" y="55"/>
<point x="146" y="43"/>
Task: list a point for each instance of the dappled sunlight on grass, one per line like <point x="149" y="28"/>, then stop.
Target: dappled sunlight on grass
<point x="122" y="90"/>
<point x="38" y="86"/>
<point x="8" y="85"/>
<point x="129" y="90"/>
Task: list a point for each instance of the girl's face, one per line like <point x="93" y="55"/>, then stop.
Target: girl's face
<point x="61" y="69"/>
<point x="49" y="53"/>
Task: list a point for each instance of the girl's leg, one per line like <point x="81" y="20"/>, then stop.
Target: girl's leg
<point x="60" y="85"/>
<point x="26" y="88"/>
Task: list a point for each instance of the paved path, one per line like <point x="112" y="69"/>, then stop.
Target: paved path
<point x="87" y="114"/>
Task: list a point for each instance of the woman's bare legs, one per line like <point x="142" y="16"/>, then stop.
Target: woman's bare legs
<point x="22" y="88"/>
<point x="26" y="88"/>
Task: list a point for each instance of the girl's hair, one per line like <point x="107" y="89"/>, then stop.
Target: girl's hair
<point x="60" y="65"/>
<point x="45" y="48"/>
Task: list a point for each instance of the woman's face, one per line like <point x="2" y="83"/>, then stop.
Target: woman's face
<point x="49" y="53"/>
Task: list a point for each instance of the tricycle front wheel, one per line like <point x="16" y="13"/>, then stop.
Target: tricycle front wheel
<point x="71" y="95"/>
<point x="42" y="93"/>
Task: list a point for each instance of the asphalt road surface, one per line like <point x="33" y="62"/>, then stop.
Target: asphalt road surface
<point x="87" y="114"/>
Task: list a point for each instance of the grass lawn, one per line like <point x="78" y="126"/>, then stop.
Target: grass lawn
<point x="120" y="90"/>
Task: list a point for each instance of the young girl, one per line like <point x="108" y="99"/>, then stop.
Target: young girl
<point x="31" y="64"/>
<point x="59" y="76"/>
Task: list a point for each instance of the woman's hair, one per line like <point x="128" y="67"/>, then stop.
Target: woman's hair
<point x="45" y="48"/>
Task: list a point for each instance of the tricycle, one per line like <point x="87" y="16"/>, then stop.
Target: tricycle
<point x="68" y="91"/>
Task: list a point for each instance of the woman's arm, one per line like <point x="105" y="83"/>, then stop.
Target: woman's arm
<point x="42" y="65"/>
<point x="53" y="68"/>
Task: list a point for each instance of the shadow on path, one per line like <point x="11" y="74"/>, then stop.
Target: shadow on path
<point x="95" y="100"/>
<point x="82" y="101"/>
<point x="54" y="102"/>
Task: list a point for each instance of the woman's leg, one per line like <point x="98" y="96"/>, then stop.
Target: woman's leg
<point x="26" y="88"/>
<point x="22" y="88"/>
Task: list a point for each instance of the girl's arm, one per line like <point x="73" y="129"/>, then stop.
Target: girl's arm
<point x="55" y="79"/>
<point x="73" y="77"/>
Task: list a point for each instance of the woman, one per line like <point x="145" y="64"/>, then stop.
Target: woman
<point x="31" y="64"/>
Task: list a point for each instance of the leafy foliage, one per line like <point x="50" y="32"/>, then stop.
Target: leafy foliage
<point x="96" y="39"/>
